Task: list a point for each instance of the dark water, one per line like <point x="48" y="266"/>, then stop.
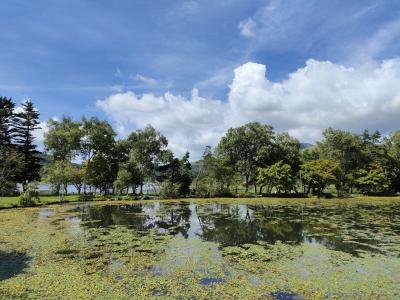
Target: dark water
<point x="349" y="228"/>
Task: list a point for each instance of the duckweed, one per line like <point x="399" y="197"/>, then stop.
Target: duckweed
<point x="237" y="248"/>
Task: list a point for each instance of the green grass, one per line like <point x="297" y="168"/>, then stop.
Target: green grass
<point x="13" y="201"/>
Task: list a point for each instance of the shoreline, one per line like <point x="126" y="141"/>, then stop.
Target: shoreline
<point x="228" y="200"/>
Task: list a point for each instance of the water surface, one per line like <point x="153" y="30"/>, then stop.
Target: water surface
<point x="238" y="248"/>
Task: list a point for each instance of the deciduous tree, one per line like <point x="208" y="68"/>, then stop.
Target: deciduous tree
<point x="318" y="174"/>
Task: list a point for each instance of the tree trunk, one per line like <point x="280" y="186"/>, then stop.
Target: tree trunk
<point x="247" y="183"/>
<point x="295" y="189"/>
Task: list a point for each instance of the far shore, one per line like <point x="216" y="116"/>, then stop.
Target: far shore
<point x="13" y="201"/>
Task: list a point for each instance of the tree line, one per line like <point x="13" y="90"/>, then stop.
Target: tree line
<point x="20" y="160"/>
<point x="252" y="158"/>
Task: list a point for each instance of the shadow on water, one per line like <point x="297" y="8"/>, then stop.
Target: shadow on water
<point x="286" y="296"/>
<point x="12" y="263"/>
<point x="211" y="280"/>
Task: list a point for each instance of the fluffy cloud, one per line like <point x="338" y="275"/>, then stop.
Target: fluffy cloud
<point x="189" y="124"/>
<point x="319" y="95"/>
<point x="38" y="134"/>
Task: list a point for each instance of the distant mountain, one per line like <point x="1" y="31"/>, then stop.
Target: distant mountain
<point x="305" y="145"/>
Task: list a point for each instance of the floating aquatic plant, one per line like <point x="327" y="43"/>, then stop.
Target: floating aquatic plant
<point x="241" y="248"/>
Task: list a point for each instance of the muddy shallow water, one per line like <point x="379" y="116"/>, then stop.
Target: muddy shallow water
<point x="238" y="248"/>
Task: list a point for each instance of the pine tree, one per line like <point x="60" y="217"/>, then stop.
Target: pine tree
<point x="26" y="123"/>
<point x="7" y="118"/>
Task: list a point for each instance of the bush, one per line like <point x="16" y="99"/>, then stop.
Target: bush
<point x="86" y="197"/>
<point x="169" y="190"/>
<point x="202" y="189"/>
<point x="31" y="195"/>
<point x="26" y="200"/>
<point x="221" y="191"/>
<point x="100" y="197"/>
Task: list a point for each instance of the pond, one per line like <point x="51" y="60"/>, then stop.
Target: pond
<point x="203" y="249"/>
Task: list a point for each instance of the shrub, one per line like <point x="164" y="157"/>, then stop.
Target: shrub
<point x="86" y="197"/>
<point x="26" y="200"/>
<point x="169" y="190"/>
<point x="100" y="197"/>
<point x="203" y="189"/>
<point x="30" y="196"/>
<point x="221" y="191"/>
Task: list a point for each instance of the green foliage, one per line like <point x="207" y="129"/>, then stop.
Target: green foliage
<point x="146" y="151"/>
<point x="86" y="197"/>
<point x="97" y="137"/>
<point x="215" y="175"/>
<point x="123" y="181"/>
<point x="30" y="196"/>
<point x="318" y="174"/>
<point x="11" y="163"/>
<point x="279" y="176"/>
<point x="252" y="154"/>
<point x="76" y="176"/>
<point x="374" y="179"/>
<point x="176" y="171"/>
<point x="26" y="122"/>
<point x="169" y="189"/>
<point x="7" y="119"/>
<point x="63" y="138"/>
<point x="310" y="153"/>
<point x="288" y="151"/>
<point x="345" y="149"/>
<point x="391" y="145"/>
<point x="57" y="174"/>
<point x="99" y="150"/>
<point x="248" y="147"/>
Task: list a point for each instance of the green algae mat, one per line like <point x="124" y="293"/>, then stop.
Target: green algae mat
<point x="202" y="249"/>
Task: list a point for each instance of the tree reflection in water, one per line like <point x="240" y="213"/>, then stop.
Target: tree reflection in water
<point x="338" y="227"/>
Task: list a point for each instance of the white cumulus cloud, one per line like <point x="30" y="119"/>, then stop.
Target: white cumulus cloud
<point x="314" y="97"/>
<point x="189" y="124"/>
<point x="38" y="134"/>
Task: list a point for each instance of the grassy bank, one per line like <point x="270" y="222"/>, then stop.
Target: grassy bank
<point x="13" y="201"/>
<point x="8" y="202"/>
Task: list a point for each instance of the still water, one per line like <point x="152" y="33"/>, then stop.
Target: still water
<point x="352" y="229"/>
<point x="238" y="248"/>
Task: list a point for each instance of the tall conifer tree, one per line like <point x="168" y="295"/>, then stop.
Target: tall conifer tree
<point x="7" y="118"/>
<point x="27" y="121"/>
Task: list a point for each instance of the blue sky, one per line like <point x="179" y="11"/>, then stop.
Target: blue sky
<point x="67" y="55"/>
